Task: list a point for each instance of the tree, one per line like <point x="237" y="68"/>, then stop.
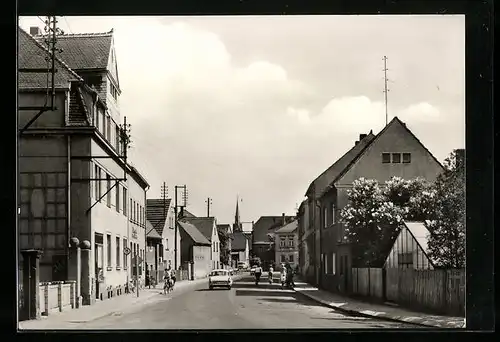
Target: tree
<point x="225" y="253"/>
<point x="415" y="197"/>
<point x="447" y="230"/>
<point x="367" y="217"/>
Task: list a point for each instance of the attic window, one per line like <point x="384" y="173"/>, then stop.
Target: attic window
<point x="396" y="158"/>
<point x="113" y="91"/>
<point x="406" y="158"/>
<point x="386" y="158"/>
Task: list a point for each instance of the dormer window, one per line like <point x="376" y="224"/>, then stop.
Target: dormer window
<point x="113" y="91"/>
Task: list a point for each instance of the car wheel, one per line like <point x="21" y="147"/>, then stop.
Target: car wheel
<point x="210" y="287"/>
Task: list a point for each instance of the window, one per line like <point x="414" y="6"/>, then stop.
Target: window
<point x="386" y="158"/>
<point x="130" y="210"/>
<point x="325" y="213"/>
<point x="133" y="211"/>
<point x="97" y="174"/>
<point x="282" y="241"/>
<point x="325" y="261"/>
<point x="406" y="158"/>
<point x="108" y="128"/>
<point x="124" y="201"/>
<point x="396" y="158"/>
<point x="290" y="240"/>
<point x="405" y="260"/>
<point x="108" y="249"/>
<point x="160" y="251"/>
<point x="96" y="118"/>
<point x="283" y="258"/>
<point x="136" y="212"/>
<point x="118" y="255"/>
<point x="113" y="91"/>
<point x="290" y="258"/>
<point x="333" y="213"/>
<point x="117" y="138"/>
<point x="117" y="200"/>
<point x="108" y="187"/>
<point x="125" y="256"/>
<point x="333" y="263"/>
<point x="166" y="244"/>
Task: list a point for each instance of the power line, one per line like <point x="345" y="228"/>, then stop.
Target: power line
<point x="67" y="24"/>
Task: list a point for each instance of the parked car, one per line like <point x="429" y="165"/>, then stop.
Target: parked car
<point x="220" y="278"/>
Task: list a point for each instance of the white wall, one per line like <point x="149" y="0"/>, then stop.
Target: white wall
<point x="168" y="239"/>
<point x="107" y="220"/>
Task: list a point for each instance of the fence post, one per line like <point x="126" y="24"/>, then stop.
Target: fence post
<point x="86" y="283"/>
<point x="59" y="296"/>
<point x="75" y="269"/>
<point x="31" y="280"/>
<point x="46" y="299"/>
<point x="445" y="291"/>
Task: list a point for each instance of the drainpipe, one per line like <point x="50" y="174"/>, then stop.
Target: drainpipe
<point x="145" y="238"/>
<point x="68" y="186"/>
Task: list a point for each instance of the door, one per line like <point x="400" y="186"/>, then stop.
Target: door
<point x="99" y="273"/>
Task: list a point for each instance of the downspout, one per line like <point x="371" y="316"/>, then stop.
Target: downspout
<point x="144" y="226"/>
<point x="68" y="184"/>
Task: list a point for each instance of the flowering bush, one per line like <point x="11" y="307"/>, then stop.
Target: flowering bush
<point x="447" y="229"/>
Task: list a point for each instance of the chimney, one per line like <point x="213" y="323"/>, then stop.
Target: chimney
<point x="283" y="216"/>
<point x="35" y="31"/>
<point x="356" y="142"/>
<point x="362" y="136"/>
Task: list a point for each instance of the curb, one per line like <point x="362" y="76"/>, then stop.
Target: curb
<point x="408" y="320"/>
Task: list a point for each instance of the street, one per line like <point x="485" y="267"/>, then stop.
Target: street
<point x="245" y="306"/>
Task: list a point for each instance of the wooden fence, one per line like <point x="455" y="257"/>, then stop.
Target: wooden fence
<point x="367" y="282"/>
<point x="440" y="291"/>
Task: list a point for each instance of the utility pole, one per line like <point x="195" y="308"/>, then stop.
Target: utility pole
<point x="385" y="89"/>
<point x="208" y="202"/>
<point x="182" y="206"/>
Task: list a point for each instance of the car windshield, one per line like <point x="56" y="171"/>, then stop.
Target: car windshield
<point x="218" y="273"/>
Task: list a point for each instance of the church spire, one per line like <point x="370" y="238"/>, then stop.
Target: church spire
<point x="237" y="222"/>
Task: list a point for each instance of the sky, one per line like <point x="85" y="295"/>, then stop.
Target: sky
<point x="258" y="107"/>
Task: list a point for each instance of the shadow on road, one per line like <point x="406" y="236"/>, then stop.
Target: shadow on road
<point x="256" y="293"/>
<point x="253" y="286"/>
<point x="214" y="289"/>
<point x="292" y="300"/>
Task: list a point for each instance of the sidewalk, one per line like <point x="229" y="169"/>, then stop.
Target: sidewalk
<point x="105" y="308"/>
<point x="386" y="312"/>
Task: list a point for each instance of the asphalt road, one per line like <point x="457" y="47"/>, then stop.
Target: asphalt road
<point x="245" y="306"/>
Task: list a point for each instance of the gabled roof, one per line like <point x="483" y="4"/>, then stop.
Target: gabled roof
<point x="84" y="51"/>
<point x="156" y="212"/>
<point x="239" y="242"/>
<point x="288" y="228"/>
<point x="394" y="121"/>
<point x="204" y="224"/>
<point x="321" y="183"/>
<point x="421" y="235"/>
<point x="267" y="224"/>
<point x="197" y="237"/>
<point x="151" y="232"/>
<point x="32" y="54"/>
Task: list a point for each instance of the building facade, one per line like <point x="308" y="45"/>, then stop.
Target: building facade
<point x="286" y="245"/>
<point x="74" y="182"/>
<point x="196" y="250"/>
<point x="263" y="237"/>
<point x="208" y="227"/>
<point x="395" y="151"/>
